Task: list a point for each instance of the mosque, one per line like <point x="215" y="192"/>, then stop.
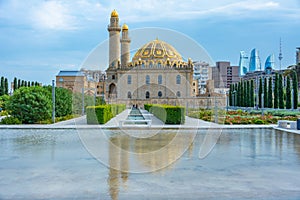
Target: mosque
<point x="156" y="73"/>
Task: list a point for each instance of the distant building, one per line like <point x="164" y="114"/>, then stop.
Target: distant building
<point x="224" y="75"/>
<point x="88" y="80"/>
<point x="254" y="64"/>
<point x="202" y="73"/>
<point x="298" y="55"/>
<point x="243" y="64"/>
<point x="195" y="90"/>
<point x="270" y="64"/>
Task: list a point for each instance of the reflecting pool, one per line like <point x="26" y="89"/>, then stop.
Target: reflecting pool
<point x="244" y="164"/>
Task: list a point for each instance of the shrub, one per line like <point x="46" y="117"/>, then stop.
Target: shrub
<point x="103" y="113"/>
<point x="30" y="104"/>
<point x="10" y="120"/>
<point x="169" y="114"/>
<point x="258" y="121"/>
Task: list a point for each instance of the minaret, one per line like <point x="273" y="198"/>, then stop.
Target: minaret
<point x="114" y="39"/>
<point x="125" y="46"/>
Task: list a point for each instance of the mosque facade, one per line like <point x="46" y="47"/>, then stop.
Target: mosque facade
<point x="156" y="73"/>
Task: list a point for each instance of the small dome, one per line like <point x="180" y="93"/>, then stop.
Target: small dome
<point x="157" y="50"/>
<point x="114" y="13"/>
<point x="125" y="27"/>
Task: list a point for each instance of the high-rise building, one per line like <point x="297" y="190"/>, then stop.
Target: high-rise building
<point x="202" y="73"/>
<point x="270" y="63"/>
<point x="224" y="74"/>
<point x="243" y="64"/>
<point x="254" y="64"/>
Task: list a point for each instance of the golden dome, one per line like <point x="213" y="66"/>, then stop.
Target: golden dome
<point x="157" y="50"/>
<point x="114" y="13"/>
<point x="125" y="27"/>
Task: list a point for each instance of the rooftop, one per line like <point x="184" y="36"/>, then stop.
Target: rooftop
<point x="70" y="73"/>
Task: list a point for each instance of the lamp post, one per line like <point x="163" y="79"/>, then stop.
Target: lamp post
<point x="262" y="104"/>
<point x="292" y="99"/>
<point x="53" y="101"/>
<point x="234" y="98"/>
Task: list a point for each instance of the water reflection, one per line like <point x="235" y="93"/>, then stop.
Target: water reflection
<point x="147" y="153"/>
<point x="256" y="144"/>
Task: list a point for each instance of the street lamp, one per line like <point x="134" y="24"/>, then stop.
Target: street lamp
<point x="234" y="98"/>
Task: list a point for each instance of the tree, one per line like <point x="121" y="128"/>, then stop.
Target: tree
<point x="265" y="93"/>
<point x="276" y="91"/>
<point x="2" y="89"/>
<point x="260" y="93"/>
<point x="230" y="94"/>
<point x="252" y="93"/>
<point x="295" y="89"/>
<point x="15" y="84"/>
<point x="63" y="101"/>
<point x="32" y="83"/>
<point x="5" y="86"/>
<point x="288" y="103"/>
<point x="30" y="104"/>
<point x="19" y="83"/>
<point x="25" y="84"/>
<point x="280" y="93"/>
<point x="239" y="94"/>
<point x="270" y="93"/>
<point x="248" y="100"/>
<point x="22" y="83"/>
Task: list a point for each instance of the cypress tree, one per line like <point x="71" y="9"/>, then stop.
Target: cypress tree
<point x="22" y="83"/>
<point x="235" y="94"/>
<point x="270" y="95"/>
<point x="230" y="95"/>
<point x="15" y="84"/>
<point x="36" y="84"/>
<point x="5" y="86"/>
<point x="25" y="83"/>
<point x="32" y="83"/>
<point x="280" y="93"/>
<point x="242" y="93"/>
<point x="245" y="94"/>
<point x="2" y="86"/>
<point x="288" y="102"/>
<point x="19" y="83"/>
<point x="248" y="102"/>
<point x="260" y="93"/>
<point x="265" y="93"/>
<point x="295" y="89"/>
<point x="252" y="93"/>
<point x="276" y="91"/>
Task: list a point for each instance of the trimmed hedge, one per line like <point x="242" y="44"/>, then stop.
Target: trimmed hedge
<point x="167" y="113"/>
<point x="103" y="113"/>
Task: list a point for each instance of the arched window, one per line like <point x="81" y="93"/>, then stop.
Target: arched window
<point x="129" y="95"/>
<point x="129" y="79"/>
<point x="147" y="79"/>
<point x="159" y="94"/>
<point x="113" y="77"/>
<point x="178" y="94"/>
<point x="159" y="79"/>
<point x="150" y="65"/>
<point x="143" y="65"/>
<point x="159" y="64"/>
<point x="147" y="95"/>
<point x="178" y="79"/>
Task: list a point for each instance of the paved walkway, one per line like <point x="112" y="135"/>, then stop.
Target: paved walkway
<point x="190" y="123"/>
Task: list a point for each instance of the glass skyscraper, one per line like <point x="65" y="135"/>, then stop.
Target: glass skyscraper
<point x="254" y="61"/>
<point x="243" y="64"/>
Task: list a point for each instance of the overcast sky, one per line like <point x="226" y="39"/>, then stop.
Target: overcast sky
<point x="38" y="38"/>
